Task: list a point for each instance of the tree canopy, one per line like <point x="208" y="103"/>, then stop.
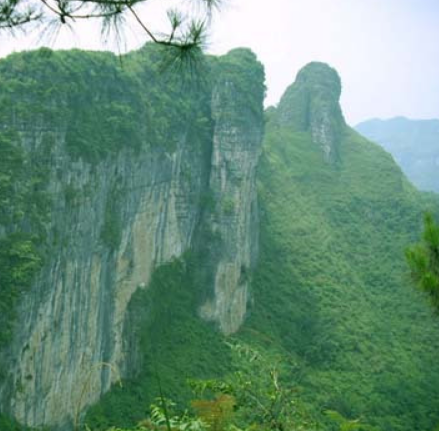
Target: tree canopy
<point x="186" y="32"/>
<point x="423" y="259"/>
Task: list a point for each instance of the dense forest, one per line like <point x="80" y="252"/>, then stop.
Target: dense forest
<point x="335" y="336"/>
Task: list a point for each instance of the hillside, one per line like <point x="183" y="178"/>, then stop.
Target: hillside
<point x="137" y="249"/>
<point x="331" y="285"/>
<point x="413" y="143"/>
<point x="330" y="292"/>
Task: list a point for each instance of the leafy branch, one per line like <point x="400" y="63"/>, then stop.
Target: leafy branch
<point x="185" y="33"/>
<point x="423" y="260"/>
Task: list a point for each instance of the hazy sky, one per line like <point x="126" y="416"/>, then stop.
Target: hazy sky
<point x="386" y="51"/>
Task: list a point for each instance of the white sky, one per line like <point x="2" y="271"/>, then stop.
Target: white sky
<point x="386" y="51"/>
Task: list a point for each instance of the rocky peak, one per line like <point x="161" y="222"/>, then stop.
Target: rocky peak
<point x="312" y="105"/>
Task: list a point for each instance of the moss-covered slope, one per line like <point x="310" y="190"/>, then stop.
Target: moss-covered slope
<point x="332" y="288"/>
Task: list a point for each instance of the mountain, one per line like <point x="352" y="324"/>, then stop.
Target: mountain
<point x="331" y="286"/>
<point x="148" y="217"/>
<point x="110" y="170"/>
<point x="413" y="143"/>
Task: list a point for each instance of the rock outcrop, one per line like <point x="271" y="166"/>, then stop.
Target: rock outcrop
<point x="235" y="153"/>
<point x="112" y="221"/>
<point x="311" y="105"/>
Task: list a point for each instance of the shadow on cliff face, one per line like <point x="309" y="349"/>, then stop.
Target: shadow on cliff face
<point x="166" y="341"/>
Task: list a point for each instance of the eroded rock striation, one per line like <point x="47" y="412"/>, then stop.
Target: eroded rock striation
<point x="312" y="105"/>
<point x="119" y="202"/>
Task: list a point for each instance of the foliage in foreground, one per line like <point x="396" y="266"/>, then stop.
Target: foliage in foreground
<point x="423" y="260"/>
<point x="187" y="33"/>
<point x="257" y="396"/>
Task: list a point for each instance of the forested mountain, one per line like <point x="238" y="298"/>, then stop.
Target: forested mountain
<point x="413" y="143"/>
<point x="150" y="218"/>
<point x="333" y="235"/>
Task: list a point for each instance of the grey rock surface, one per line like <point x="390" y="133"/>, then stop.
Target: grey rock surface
<point x="311" y="104"/>
<point x="68" y="348"/>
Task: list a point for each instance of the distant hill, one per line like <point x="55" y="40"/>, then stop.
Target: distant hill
<point x="414" y="144"/>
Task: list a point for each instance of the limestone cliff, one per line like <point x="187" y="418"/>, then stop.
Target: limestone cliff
<point x="235" y="153"/>
<point x="311" y="105"/>
<point x="117" y="210"/>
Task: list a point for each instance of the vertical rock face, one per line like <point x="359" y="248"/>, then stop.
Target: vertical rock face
<point x="110" y="224"/>
<point x="71" y="322"/>
<point x="311" y="105"/>
<point x="236" y="148"/>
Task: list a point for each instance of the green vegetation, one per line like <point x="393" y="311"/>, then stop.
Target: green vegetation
<point x="317" y="88"/>
<point x="24" y="209"/>
<point x="186" y="37"/>
<point x="255" y="395"/>
<point x="87" y="96"/>
<point x="332" y="301"/>
<point x="174" y="344"/>
<point x="93" y="105"/>
<point x="103" y="103"/>
<point x="423" y="259"/>
<point x="241" y="70"/>
<point x="7" y="424"/>
<point x="111" y="233"/>
<point x="331" y="289"/>
<point x="227" y="205"/>
<point x="332" y="307"/>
